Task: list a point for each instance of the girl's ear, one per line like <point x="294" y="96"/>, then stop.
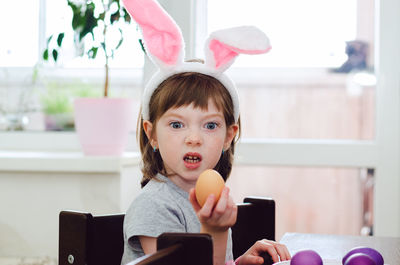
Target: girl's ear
<point x="148" y="129"/>
<point x="230" y="135"/>
<point x="223" y="46"/>
<point x="162" y="37"/>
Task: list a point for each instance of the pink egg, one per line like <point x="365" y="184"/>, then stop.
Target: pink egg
<point x="306" y="257"/>
<point x="372" y="253"/>
<point x="359" y="259"/>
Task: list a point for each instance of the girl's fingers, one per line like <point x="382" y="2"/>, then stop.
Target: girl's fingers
<point x="281" y="250"/>
<point x="233" y="215"/>
<point x="288" y="254"/>
<point x="263" y="246"/>
<point x="222" y="202"/>
<point x="223" y="214"/>
<point x="250" y="259"/>
<point x="208" y="206"/>
<point x="272" y="251"/>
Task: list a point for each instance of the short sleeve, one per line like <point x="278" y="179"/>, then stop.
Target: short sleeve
<point x="151" y="216"/>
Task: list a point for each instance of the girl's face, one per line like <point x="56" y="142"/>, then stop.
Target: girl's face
<point x="190" y="140"/>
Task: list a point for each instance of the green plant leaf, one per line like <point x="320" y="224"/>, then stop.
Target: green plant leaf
<point x="93" y="52"/>
<point x="60" y="39"/>
<point x="90" y="23"/>
<point x="49" y="39"/>
<point x="102" y="15"/>
<point x="77" y="19"/>
<point x="114" y="17"/>
<point x="55" y="55"/>
<point x="121" y="40"/>
<point x="46" y="55"/>
<point x="127" y="17"/>
<point x="142" y="45"/>
<point x="73" y="6"/>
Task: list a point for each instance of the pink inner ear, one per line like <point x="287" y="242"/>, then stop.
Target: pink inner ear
<point x="163" y="45"/>
<point x="222" y="53"/>
<point x="161" y="35"/>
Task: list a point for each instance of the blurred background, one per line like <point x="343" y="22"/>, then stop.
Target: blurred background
<point x="317" y="134"/>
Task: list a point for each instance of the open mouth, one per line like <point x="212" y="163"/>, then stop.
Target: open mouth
<point x="192" y="158"/>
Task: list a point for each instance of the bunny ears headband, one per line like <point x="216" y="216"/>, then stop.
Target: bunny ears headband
<point x="165" y="46"/>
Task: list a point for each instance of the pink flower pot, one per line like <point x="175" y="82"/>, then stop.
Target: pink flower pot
<point x="103" y="125"/>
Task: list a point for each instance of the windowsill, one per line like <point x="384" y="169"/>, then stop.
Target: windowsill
<point x="46" y="141"/>
<point x="48" y="161"/>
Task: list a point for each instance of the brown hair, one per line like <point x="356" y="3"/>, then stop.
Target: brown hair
<point x="178" y="90"/>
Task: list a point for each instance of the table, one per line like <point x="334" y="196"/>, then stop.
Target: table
<point x="336" y="246"/>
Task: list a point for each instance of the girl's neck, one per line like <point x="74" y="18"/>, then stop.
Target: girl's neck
<point x="185" y="185"/>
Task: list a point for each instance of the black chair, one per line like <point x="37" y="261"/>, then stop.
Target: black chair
<point x="179" y="249"/>
<point x="255" y="221"/>
<point x="85" y="239"/>
<point x="170" y="255"/>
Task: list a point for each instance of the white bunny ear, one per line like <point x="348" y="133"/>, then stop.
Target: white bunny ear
<point x="162" y="37"/>
<point x="223" y="46"/>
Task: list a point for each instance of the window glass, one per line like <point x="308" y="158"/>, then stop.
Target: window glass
<point x="309" y="33"/>
<point x="36" y="96"/>
<point x="318" y="79"/>
<point x="19" y="33"/>
<point x="129" y="54"/>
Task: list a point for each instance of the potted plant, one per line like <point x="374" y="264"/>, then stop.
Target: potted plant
<point x="102" y="124"/>
<point x="57" y="109"/>
<point x="57" y="105"/>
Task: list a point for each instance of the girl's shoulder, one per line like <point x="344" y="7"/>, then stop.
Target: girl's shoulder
<point x="158" y="199"/>
<point x="156" y="192"/>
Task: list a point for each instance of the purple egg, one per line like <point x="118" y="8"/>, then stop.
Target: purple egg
<point x="359" y="259"/>
<point x="306" y="257"/>
<point x="372" y="253"/>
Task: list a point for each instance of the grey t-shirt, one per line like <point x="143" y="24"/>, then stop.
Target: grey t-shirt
<point x="160" y="207"/>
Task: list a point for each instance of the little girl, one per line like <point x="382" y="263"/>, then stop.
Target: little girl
<point x="189" y="123"/>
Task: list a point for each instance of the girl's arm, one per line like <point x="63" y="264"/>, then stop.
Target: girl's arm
<point x="149" y="244"/>
<point x="277" y="251"/>
<point x="216" y="221"/>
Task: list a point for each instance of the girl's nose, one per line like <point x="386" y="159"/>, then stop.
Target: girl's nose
<point x="193" y="138"/>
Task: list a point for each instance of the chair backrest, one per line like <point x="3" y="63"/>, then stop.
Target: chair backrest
<point x="180" y="249"/>
<point x="170" y="255"/>
<point x="85" y="239"/>
<point x="255" y="221"/>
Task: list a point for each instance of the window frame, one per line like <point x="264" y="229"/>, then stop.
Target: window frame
<point x="382" y="153"/>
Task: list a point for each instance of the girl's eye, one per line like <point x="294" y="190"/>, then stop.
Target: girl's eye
<point x="211" y="125"/>
<point x="176" y="125"/>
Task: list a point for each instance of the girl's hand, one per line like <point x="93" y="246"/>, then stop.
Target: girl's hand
<point x="278" y="252"/>
<point x="218" y="218"/>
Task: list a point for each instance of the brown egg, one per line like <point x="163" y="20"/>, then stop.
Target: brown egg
<point x="209" y="182"/>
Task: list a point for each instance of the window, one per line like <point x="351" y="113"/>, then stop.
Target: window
<point x="20" y="33"/>
<point x="58" y="19"/>
<point x="307" y="33"/>
<point x="308" y="85"/>
<point x="380" y="151"/>
<point x="42" y="18"/>
<point x="300" y="95"/>
<point x="27" y="84"/>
